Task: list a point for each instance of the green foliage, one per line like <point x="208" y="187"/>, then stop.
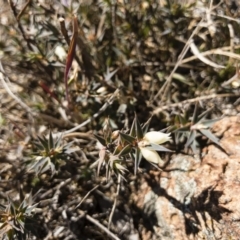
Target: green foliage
<point x="118" y="147"/>
<point x="49" y="154"/>
<point x="14" y="218"/>
<point x="199" y="125"/>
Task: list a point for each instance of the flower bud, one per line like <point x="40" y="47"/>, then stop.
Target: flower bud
<point x="115" y="134"/>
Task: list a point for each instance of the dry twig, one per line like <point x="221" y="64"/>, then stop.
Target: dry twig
<point x="98" y="224"/>
<point x="193" y="100"/>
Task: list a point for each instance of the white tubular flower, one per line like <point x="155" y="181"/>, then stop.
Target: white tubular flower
<point x="154" y="138"/>
<point x="151" y="155"/>
<point x="157" y="137"/>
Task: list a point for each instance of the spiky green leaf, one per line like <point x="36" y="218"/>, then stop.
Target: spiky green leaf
<point x="145" y="127"/>
<point x="133" y="129"/>
<point x="158" y="148"/>
<point x="44" y="142"/>
<point x="210" y="136"/>
<point x="127" y="138"/>
<point x="209" y="123"/>
<point x="126" y="150"/>
<point x="191" y="138"/>
<point x="100" y="139"/>
<point x="137" y="159"/>
<point x="139" y="131"/>
<point x="50" y="141"/>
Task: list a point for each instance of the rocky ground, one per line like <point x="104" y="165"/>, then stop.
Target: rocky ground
<point x="196" y="198"/>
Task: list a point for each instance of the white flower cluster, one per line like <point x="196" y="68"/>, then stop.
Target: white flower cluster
<point x="152" y="138"/>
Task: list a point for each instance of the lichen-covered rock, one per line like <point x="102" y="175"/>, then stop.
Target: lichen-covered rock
<point x="197" y="198"/>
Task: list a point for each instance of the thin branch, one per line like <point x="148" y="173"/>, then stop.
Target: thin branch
<point x="87" y="195"/>
<point x="101" y="110"/>
<point x="193" y="100"/>
<point x="232" y="80"/>
<point x="23" y="10"/>
<point x="199" y="55"/>
<point x="211" y="25"/>
<point x="98" y="224"/>
<point x="167" y="84"/>
<point x="226" y="17"/>
<point x="51" y="190"/>
<point x="231" y="35"/>
<point x="217" y="51"/>
<point x="87" y="135"/>
<point x="115" y="201"/>
<point x="12" y="6"/>
<point x="8" y="90"/>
